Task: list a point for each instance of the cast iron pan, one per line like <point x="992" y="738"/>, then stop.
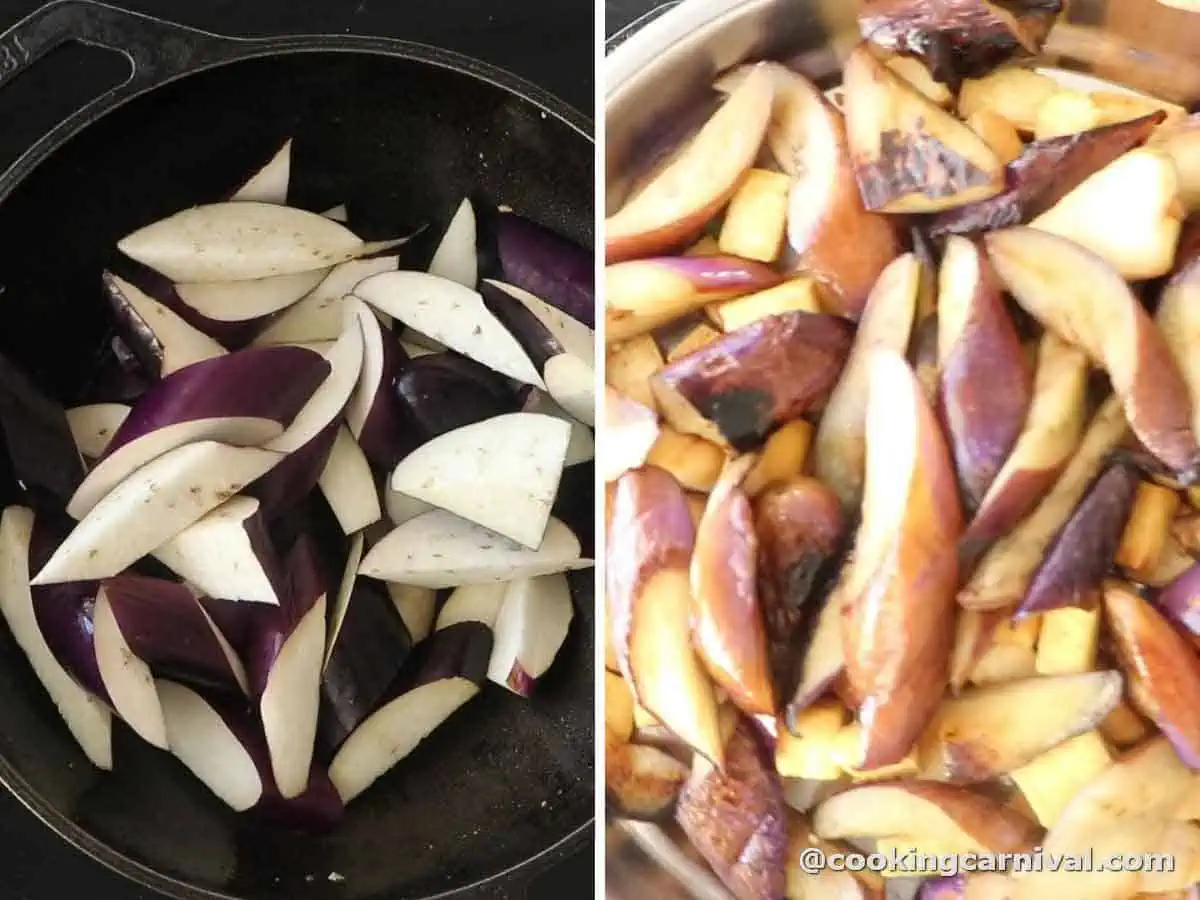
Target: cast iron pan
<point x="400" y="132"/>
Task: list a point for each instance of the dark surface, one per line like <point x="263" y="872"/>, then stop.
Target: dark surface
<point x="546" y="42"/>
<point x="619" y="14"/>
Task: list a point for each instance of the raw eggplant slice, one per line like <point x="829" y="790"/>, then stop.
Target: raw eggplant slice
<point x="210" y="744"/>
<point x="296" y="475"/>
<point x="472" y="603"/>
<point x="318" y="316"/>
<point x="338" y="213"/>
<point x="286" y="670"/>
<point x="128" y="681"/>
<point x="345" y="359"/>
<point x="452" y="315"/>
<point x="502" y="473"/>
<point x="240" y="241"/>
<point x="162" y="341"/>
<point x="455" y="256"/>
<point x="223" y="746"/>
<point x="535" y="615"/>
<point x="546" y="264"/>
<point x="445" y="672"/>
<point x="243" y="301"/>
<point x="88" y="719"/>
<point x="153" y="505"/>
<point x="93" y="426"/>
<point x="562" y="348"/>
<point x="440" y="550"/>
<point x="163" y="624"/>
<point x="368" y="644"/>
<point x="269" y="184"/>
<point x="440" y="392"/>
<point x="37" y="436"/>
<point x="373" y="413"/>
<point x="417" y="606"/>
<point x="228" y="554"/>
<point x="244" y="399"/>
<point x="348" y="485"/>
<point x="401" y="507"/>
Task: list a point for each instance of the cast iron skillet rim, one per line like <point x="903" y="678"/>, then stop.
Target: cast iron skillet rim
<point x="248" y="49"/>
<point x="238" y="50"/>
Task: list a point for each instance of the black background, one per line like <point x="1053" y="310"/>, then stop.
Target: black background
<point x="548" y="42"/>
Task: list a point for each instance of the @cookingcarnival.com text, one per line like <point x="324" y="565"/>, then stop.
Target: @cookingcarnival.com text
<point x="912" y="861"/>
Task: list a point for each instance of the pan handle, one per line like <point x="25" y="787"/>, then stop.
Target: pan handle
<point x="156" y="50"/>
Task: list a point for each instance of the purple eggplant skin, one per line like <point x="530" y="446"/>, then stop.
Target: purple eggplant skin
<point x="164" y="626"/>
<point x="386" y="435"/>
<point x="64" y="611"/>
<point x="367" y="656"/>
<point x="296" y="476"/>
<point x="461" y="650"/>
<point x="547" y="265"/>
<point x="1078" y="560"/>
<point x="258" y="382"/>
<point x="239" y="623"/>
<point x="312" y="516"/>
<point x="538" y="341"/>
<point x="1179" y="601"/>
<point x="230" y="335"/>
<point x="315" y="811"/>
<point x="306" y="584"/>
<point x="439" y="395"/>
<point x="37" y="438"/>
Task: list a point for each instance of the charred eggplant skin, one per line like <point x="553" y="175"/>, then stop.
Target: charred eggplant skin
<point x="959" y="38"/>
<point x="762" y="375"/>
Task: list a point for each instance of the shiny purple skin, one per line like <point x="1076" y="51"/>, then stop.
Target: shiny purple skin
<point x="1179" y="601"/>
<point x="538" y="341"/>
<point x="386" y="436"/>
<point x="438" y="397"/>
<point x="164" y="626"/>
<point x="36" y="437"/>
<point x="367" y="656"/>
<point x="296" y="475"/>
<point x="461" y="650"/>
<point x="1077" y="562"/>
<point x="64" y="616"/>
<point x="266" y="633"/>
<point x="64" y="611"/>
<point x="258" y="382"/>
<point x="547" y="265"/>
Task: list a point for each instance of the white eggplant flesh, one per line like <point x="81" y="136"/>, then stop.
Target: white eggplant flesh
<point x="93" y="426"/>
<point x="153" y="505"/>
<point x="88" y="719"/>
<point x="440" y="550"/>
<point x="240" y="301"/>
<point x="530" y="629"/>
<point x="349" y="486"/>
<point x="318" y="316"/>
<point x="456" y="255"/>
<point x="452" y="315"/>
<point x="501" y="473"/>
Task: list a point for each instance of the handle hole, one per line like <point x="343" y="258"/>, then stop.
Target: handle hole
<point x="48" y="91"/>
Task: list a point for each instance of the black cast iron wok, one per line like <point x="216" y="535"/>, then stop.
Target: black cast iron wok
<point x="399" y="132"/>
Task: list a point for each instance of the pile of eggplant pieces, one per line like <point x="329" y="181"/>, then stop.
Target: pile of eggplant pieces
<point x="241" y="546"/>
<point x="900" y="443"/>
